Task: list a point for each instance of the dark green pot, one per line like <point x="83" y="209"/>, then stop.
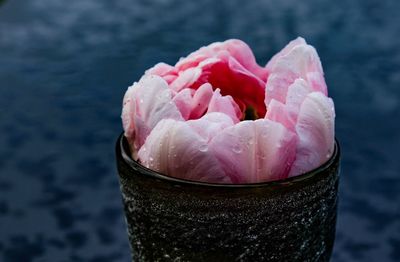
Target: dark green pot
<point x="171" y="219"/>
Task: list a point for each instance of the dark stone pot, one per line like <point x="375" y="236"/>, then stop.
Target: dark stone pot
<point x="171" y="219"/>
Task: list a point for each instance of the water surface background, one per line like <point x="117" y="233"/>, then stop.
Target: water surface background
<point x="65" y="65"/>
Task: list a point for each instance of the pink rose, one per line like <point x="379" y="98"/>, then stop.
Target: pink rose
<point x="219" y="117"/>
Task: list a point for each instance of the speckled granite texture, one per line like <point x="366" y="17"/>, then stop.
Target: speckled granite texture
<point x="175" y="220"/>
<point x="64" y="68"/>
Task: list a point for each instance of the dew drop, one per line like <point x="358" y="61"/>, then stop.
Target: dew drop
<point x="237" y="149"/>
<point x="328" y="155"/>
<point x="203" y="148"/>
<point x="250" y="142"/>
<point x="141" y="101"/>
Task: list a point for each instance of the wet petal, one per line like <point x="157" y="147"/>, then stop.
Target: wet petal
<point x="201" y="100"/>
<point x="286" y="114"/>
<point x="296" y="94"/>
<point x="174" y="148"/>
<point x="186" y="78"/>
<point x="315" y="130"/>
<point x="183" y="101"/>
<point x="211" y="124"/>
<point x="193" y="103"/>
<point x="162" y="69"/>
<point x="244" y="55"/>
<point x="278" y="112"/>
<point x="317" y="82"/>
<point x="147" y="102"/>
<point x="255" y="151"/>
<point x="235" y="48"/>
<point x="128" y="111"/>
<point x="224" y="104"/>
<point x="296" y="42"/>
<point x="301" y="61"/>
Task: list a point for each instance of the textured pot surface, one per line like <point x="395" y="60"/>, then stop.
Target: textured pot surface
<point x="175" y="220"/>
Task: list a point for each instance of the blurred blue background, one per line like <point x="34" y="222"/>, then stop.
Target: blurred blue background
<point x="65" y="65"/>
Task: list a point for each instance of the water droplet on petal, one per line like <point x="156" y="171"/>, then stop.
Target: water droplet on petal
<point x="328" y="155"/>
<point x="250" y="142"/>
<point x="203" y="148"/>
<point x="141" y="101"/>
<point x="237" y="149"/>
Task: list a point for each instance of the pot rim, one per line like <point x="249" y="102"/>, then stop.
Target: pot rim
<point x="122" y="147"/>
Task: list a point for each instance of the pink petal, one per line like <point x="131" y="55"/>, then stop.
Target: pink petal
<point x="185" y="79"/>
<point x="183" y="101"/>
<point x="193" y="103"/>
<point x="244" y="55"/>
<point x="301" y="61"/>
<point x="146" y="103"/>
<point x="128" y="110"/>
<point x="317" y="82"/>
<point x="296" y="94"/>
<point x="255" y="151"/>
<point x="286" y="50"/>
<point x="315" y="129"/>
<point x="224" y="104"/>
<point x="286" y="114"/>
<point x="278" y="112"/>
<point x="201" y="100"/>
<point x="175" y="149"/>
<point x="235" y="48"/>
<point x="210" y="124"/>
<point x="161" y="69"/>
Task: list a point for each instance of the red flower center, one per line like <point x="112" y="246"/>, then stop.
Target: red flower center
<point x="247" y="90"/>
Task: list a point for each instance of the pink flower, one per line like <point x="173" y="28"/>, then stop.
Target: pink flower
<point x="219" y="117"/>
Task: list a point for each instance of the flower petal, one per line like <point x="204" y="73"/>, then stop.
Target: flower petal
<point x="174" y="148"/>
<point x="145" y="104"/>
<point x="286" y="114"/>
<point x="224" y="104"/>
<point x="211" y="124"/>
<point x="255" y="151"/>
<point x="186" y="78"/>
<point x="278" y="112"/>
<point x="201" y="100"/>
<point x="193" y="103"/>
<point x="244" y="55"/>
<point x="162" y="69"/>
<point x="286" y="50"/>
<point x="183" y="101"/>
<point x="296" y="94"/>
<point x="301" y="61"/>
<point x="234" y="47"/>
<point x="315" y="130"/>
